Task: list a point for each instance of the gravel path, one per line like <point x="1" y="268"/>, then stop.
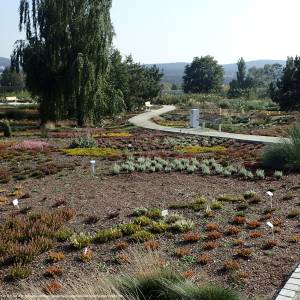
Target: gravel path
<point x="144" y="120"/>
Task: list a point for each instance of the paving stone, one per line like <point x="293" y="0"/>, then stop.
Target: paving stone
<point x="287" y="293"/>
<point x="296" y="275"/>
<point x="293" y="287"/>
<point x="282" y="298"/>
<point x="293" y="281"/>
<point x="297" y="270"/>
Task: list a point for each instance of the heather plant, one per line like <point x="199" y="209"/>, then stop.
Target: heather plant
<point x="159" y="227"/>
<point x="30" y="145"/>
<point x="260" y="174"/>
<point x="278" y="174"/>
<point x="142" y="220"/>
<point x="182" y="225"/>
<point x="107" y="235"/>
<point x="83" y="142"/>
<point x="140" y="211"/>
<point x="116" y="169"/>
<point x="142" y="236"/>
<point x="19" y="271"/>
<point x="80" y="240"/>
<point x="129" y="228"/>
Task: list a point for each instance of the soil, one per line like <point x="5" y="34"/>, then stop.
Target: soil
<point x="103" y="194"/>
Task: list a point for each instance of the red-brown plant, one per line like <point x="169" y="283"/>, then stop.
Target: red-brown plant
<point x="191" y="237"/>
<point x="214" y="235"/>
<point x="180" y="252"/>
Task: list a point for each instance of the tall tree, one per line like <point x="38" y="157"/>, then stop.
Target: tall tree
<point x="66" y="57"/>
<point x="286" y="91"/>
<point x="241" y="73"/>
<point x="203" y="75"/>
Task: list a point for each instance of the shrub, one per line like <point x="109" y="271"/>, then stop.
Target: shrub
<point x="7" y="132"/>
<point x="294" y="238"/>
<point x="232" y="230"/>
<point x="199" y="149"/>
<point x="151" y="245"/>
<point x="215" y="204"/>
<point x="116" y="169"/>
<point x="210" y="245"/>
<point x="52" y="287"/>
<point x="239" y="220"/>
<point x="142" y="236"/>
<point x="214" y="235"/>
<point x="203" y="259"/>
<point x="81" y="240"/>
<point x="153" y="213"/>
<point x="249" y="194"/>
<point x="83" y="142"/>
<point x="237" y="242"/>
<point x="19" y="272"/>
<point x="269" y="244"/>
<point x="255" y="234"/>
<point x="86" y="255"/>
<point x="142" y="221"/>
<point x="172" y="218"/>
<point x="159" y="227"/>
<point x="141" y="211"/>
<point x="183" y="225"/>
<point x="107" y="235"/>
<point x="56" y="256"/>
<point x="188" y="259"/>
<point x="53" y="271"/>
<point x="63" y="234"/>
<point x="260" y="174"/>
<point x="121" y="245"/>
<point x="129" y="228"/>
<point x="181" y="252"/>
<point x="30" y="145"/>
<point x="253" y="224"/>
<point x="244" y="252"/>
<point x="231" y="265"/>
<point x="191" y="237"/>
<point x="279" y="155"/>
<point x="212" y="226"/>
<point x="278" y="174"/>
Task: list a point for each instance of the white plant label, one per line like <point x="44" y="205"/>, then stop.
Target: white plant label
<point x="270" y="224"/>
<point x="85" y="250"/>
<point x="270" y="194"/>
<point x="164" y="213"/>
<point x="93" y="162"/>
<point x="15" y="203"/>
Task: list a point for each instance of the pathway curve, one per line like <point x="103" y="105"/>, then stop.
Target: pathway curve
<point x="144" y="120"/>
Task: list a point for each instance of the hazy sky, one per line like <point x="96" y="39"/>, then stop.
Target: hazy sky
<point x="156" y="31"/>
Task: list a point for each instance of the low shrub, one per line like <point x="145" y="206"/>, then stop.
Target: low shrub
<point x="269" y="244"/>
<point x="182" y="225"/>
<point x="278" y="174"/>
<point x="203" y="259"/>
<point x="151" y="245"/>
<point x="56" y="256"/>
<point x="121" y="245"/>
<point x="52" y="288"/>
<point x="232" y="230"/>
<point x="83" y="142"/>
<point x="191" y="237"/>
<point x="107" y="235"/>
<point x="255" y="234"/>
<point x="81" y="240"/>
<point x="93" y="152"/>
<point x="253" y="224"/>
<point x="86" y="255"/>
<point x="181" y="252"/>
<point x="210" y="245"/>
<point x="19" y="271"/>
<point x="214" y="235"/>
<point x="63" y="234"/>
<point x="244" y="252"/>
<point x="159" y="227"/>
<point x="53" y="271"/>
<point x="239" y="220"/>
<point x="142" y="236"/>
<point x="211" y="227"/>
<point x="129" y="228"/>
<point x="142" y="221"/>
<point x="231" y="265"/>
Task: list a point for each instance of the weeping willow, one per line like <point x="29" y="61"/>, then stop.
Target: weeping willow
<point x="65" y="57"/>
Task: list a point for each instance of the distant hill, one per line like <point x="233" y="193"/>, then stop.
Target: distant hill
<point x="173" y="72"/>
<point x="4" y="62"/>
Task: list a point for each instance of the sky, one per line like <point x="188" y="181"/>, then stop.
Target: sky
<point x="162" y="31"/>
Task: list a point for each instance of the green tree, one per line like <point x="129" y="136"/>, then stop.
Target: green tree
<point x="174" y="87"/>
<point x="10" y="78"/>
<point x="241" y="73"/>
<point x="66" y="57"/>
<point x="286" y="91"/>
<point x="203" y="75"/>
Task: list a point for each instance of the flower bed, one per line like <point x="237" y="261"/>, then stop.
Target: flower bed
<point x="97" y="152"/>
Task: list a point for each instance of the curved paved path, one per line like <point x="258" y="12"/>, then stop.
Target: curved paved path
<point x="144" y="120"/>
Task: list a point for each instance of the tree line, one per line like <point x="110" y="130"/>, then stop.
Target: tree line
<point x="70" y="64"/>
<point x="282" y="84"/>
